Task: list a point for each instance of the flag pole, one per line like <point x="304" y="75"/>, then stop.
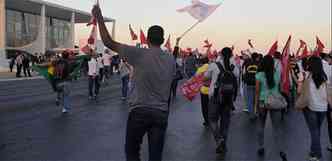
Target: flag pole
<point x="193" y="26"/>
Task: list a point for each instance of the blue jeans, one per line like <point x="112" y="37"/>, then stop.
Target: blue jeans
<point x="125" y="87"/>
<point x="141" y="121"/>
<point x="94" y="86"/>
<point x="250" y="97"/>
<point x="314" y="121"/>
<point x="63" y="91"/>
<point x="329" y="123"/>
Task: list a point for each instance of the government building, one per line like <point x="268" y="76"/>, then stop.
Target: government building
<point x="36" y="26"/>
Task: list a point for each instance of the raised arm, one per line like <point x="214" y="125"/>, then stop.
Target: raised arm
<point x="104" y="34"/>
<point x="176" y="51"/>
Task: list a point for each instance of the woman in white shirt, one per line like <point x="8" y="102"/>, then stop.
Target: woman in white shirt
<point x="316" y="111"/>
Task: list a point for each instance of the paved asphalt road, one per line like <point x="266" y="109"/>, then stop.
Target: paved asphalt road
<point x="32" y="128"/>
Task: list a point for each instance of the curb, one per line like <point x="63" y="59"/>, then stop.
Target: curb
<point x="20" y="79"/>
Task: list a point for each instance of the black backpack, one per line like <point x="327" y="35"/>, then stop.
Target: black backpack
<point x="250" y="74"/>
<point x="226" y="86"/>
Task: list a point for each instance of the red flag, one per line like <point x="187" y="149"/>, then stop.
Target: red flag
<point x="250" y="43"/>
<point x="207" y="44"/>
<point x="132" y="33"/>
<point x="319" y="48"/>
<point x="285" y="81"/>
<point x="168" y="44"/>
<point x="302" y="45"/>
<point x="273" y="49"/>
<point x="305" y="52"/>
<point x="143" y="38"/>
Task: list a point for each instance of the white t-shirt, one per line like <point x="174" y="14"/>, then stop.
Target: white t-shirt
<point x="107" y="59"/>
<point x="213" y="72"/>
<point x="318" y="97"/>
<point x="93" y="67"/>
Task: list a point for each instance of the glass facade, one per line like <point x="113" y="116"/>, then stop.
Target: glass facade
<point x="58" y="33"/>
<point x="21" y="28"/>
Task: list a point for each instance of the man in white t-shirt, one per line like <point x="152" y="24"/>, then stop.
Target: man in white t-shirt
<point x="93" y="73"/>
<point x="107" y="58"/>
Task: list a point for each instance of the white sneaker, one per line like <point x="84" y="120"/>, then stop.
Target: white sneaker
<point x="64" y="110"/>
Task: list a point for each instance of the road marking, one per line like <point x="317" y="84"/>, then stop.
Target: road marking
<point x="20" y="79"/>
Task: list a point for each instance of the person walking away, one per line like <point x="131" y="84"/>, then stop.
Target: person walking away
<point x="267" y="85"/>
<point x="154" y="72"/>
<point x="190" y="65"/>
<point x="107" y="64"/>
<point x="26" y="66"/>
<point x="249" y="78"/>
<point x="222" y="93"/>
<point x="62" y="81"/>
<point x="125" y="69"/>
<point x="115" y="64"/>
<point x="93" y="77"/>
<point x="327" y="66"/>
<point x="316" y="111"/>
<point x="204" y="92"/>
<point x="11" y="64"/>
<point x="178" y="75"/>
<point x="19" y="63"/>
<point x="101" y="67"/>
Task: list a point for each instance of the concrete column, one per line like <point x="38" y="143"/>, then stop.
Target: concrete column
<point x="43" y="29"/>
<point x="3" y="60"/>
<point x="113" y="30"/>
<point x="72" y="30"/>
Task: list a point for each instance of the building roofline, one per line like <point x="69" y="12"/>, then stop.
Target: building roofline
<point x="42" y="2"/>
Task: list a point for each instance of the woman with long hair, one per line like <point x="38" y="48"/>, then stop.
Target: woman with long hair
<point x="315" y="113"/>
<point x="220" y="108"/>
<point x="267" y="84"/>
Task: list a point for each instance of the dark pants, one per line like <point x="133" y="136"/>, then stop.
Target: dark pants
<point x="205" y="107"/>
<point x="101" y="74"/>
<point x="26" y="70"/>
<point x="141" y="121"/>
<point x="125" y="87"/>
<point x="107" y="70"/>
<point x="93" y="86"/>
<point x="174" y="87"/>
<point x="329" y="123"/>
<point x="277" y="126"/>
<point x="314" y="121"/>
<point x="18" y="72"/>
<point x="219" y="119"/>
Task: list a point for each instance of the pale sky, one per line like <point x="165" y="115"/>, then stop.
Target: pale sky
<point x="233" y="23"/>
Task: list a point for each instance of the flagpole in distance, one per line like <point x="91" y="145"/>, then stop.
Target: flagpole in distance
<point x="192" y="27"/>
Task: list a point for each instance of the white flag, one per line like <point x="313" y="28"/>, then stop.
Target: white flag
<point x="199" y="10"/>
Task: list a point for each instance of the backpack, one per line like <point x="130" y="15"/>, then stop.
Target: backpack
<point x="61" y="71"/>
<point x="226" y="86"/>
<point x="250" y="75"/>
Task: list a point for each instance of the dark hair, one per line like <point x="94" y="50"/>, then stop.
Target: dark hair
<point x="156" y="35"/>
<point x="268" y="69"/>
<point x="277" y="55"/>
<point x="227" y="54"/>
<point x="205" y="60"/>
<point x="65" y="55"/>
<point x="254" y="56"/>
<point x="323" y="55"/>
<point x="317" y="71"/>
